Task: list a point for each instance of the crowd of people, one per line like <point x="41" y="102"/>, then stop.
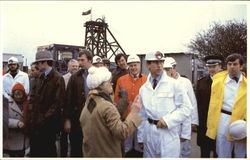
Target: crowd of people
<point x="94" y="112"/>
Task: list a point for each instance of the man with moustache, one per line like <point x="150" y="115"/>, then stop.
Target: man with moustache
<point x="15" y="75"/>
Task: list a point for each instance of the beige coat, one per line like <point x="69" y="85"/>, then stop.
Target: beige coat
<point x="16" y="140"/>
<point x="103" y="130"/>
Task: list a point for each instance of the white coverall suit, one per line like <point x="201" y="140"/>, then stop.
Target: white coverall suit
<point x="185" y="127"/>
<point x="170" y="102"/>
<point x="223" y="146"/>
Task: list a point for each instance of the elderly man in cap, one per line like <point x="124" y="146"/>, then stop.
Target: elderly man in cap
<point x="15" y="75"/>
<point x="203" y="91"/>
<point x="129" y="85"/>
<point x="164" y="106"/>
<point x="228" y="104"/>
<point x="97" y="61"/>
<point x="47" y="104"/>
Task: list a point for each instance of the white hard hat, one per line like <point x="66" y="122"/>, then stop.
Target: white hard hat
<point x="97" y="59"/>
<point x="154" y="56"/>
<point x="167" y="64"/>
<point x="171" y="60"/>
<point x="238" y="129"/>
<point x="12" y="60"/>
<point x="133" y="58"/>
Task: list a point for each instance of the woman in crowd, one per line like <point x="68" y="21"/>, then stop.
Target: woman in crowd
<point x="17" y="141"/>
<point x="100" y="121"/>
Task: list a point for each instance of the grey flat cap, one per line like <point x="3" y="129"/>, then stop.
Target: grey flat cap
<point x="43" y="56"/>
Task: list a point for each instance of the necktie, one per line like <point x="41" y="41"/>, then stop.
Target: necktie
<point x="154" y="83"/>
<point x="236" y="79"/>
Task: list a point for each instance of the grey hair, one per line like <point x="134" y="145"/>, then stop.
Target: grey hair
<point x="71" y="61"/>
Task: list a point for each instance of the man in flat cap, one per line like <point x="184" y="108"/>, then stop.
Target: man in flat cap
<point x="47" y="104"/>
<point x="165" y="106"/>
<point x="203" y="91"/>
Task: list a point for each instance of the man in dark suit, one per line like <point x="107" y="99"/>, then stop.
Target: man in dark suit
<point x="77" y="93"/>
<point x="203" y="90"/>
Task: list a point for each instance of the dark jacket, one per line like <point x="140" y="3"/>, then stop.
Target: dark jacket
<point x="75" y="96"/>
<point x="203" y="91"/>
<point x="48" y="101"/>
<point x="116" y="74"/>
<point x="33" y="85"/>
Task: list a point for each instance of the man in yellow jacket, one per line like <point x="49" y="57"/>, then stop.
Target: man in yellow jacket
<point x="228" y="104"/>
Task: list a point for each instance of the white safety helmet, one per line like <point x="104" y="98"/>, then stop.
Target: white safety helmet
<point x="12" y="60"/>
<point x="133" y="58"/>
<point x="238" y="129"/>
<point x="154" y="56"/>
<point x="97" y="59"/>
<point x="167" y="64"/>
<point x="171" y="60"/>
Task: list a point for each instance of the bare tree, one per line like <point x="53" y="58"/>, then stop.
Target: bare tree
<point x="221" y="39"/>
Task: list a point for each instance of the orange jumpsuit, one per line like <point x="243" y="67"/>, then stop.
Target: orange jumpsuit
<point x="131" y="86"/>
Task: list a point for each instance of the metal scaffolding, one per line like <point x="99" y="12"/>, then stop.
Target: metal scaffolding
<point x="97" y="42"/>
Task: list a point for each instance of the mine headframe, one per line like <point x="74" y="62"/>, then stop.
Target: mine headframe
<point x="100" y="41"/>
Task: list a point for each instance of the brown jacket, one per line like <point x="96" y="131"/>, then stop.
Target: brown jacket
<point x="102" y="128"/>
<point x="48" y="101"/>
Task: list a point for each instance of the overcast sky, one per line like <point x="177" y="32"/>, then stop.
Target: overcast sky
<point x="139" y="27"/>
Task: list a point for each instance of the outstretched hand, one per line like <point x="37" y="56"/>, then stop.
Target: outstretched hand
<point x="136" y="105"/>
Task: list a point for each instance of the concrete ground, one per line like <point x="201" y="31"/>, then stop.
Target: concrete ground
<point x="195" y="149"/>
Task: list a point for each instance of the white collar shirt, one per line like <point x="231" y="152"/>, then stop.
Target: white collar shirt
<point x="230" y="92"/>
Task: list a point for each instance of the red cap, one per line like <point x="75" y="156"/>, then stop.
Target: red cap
<point x="18" y="86"/>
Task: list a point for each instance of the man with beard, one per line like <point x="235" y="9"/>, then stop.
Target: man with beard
<point x="15" y="75"/>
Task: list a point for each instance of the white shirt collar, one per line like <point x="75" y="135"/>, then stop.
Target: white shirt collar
<point x="229" y="79"/>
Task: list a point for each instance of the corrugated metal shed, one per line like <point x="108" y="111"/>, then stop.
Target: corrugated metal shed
<point x="6" y="56"/>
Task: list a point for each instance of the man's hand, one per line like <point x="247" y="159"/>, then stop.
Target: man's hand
<point x="161" y="124"/>
<point x="141" y="146"/>
<point x="136" y="105"/>
<point x="183" y="139"/>
<point x="67" y="126"/>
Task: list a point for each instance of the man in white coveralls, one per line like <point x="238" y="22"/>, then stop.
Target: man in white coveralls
<point x="164" y="107"/>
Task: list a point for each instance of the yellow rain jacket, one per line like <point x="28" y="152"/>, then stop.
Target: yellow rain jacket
<point x="216" y="102"/>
